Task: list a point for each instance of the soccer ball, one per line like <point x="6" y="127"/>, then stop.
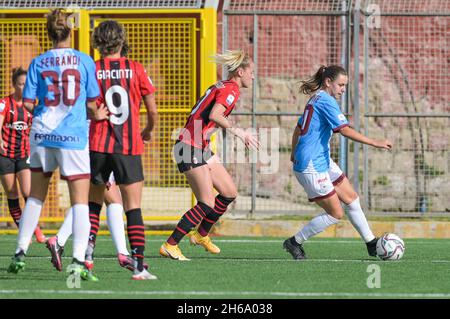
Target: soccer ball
<point x="390" y="247"/>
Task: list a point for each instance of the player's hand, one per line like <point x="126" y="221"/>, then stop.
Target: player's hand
<point x="101" y="113"/>
<point x="251" y="141"/>
<point x="386" y="144"/>
<point x="3" y="145"/>
<point x="146" y="135"/>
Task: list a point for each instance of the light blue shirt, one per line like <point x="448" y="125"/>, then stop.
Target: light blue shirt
<point x="62" y="80"/>
<point x="321" y="118"/>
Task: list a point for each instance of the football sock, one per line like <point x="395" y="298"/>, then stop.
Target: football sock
<point x="114" y="218"/>
<point x="14" y="210"/>
<point x="65" y="230"/>
<point x="220" y="206"/>
<point x="317" y="225"/>
<point x="28" y="223"/>
<point x="80" y="230"/>
<point x="94" y="218"/>
<point x="359" y="221"/>
<point x="189" y="220"/>
<point x="136" y="236"/>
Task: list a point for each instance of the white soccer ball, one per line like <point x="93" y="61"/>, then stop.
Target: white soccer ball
<point x="390" y="247"/>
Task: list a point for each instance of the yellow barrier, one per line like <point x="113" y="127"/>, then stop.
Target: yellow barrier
<point x="175" y="46"/>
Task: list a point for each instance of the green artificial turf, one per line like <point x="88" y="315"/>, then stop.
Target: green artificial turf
<point x="247" y="268"/>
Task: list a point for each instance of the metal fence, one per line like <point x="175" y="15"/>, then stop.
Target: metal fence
<point x="398" y="89"/>
<point x="405" y="98"/>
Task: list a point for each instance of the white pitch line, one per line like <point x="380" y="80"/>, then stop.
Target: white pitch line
<point x="226" y="293"/>
<point x="256" y="259"/>
<point x="262" y="241"/>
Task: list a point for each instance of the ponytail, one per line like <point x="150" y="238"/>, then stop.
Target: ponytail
<point x="315" y="82"/>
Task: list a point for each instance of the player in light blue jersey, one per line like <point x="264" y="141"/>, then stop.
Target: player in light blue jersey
<point x="323" y="180"/>
<point x="63" y="80"/>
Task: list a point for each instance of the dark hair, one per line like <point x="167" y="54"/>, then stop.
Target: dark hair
<point x="108" y="37"/>
<point x="16" y="72"/>
<point x="316" y="81"/>
<point x="57" y="26"/>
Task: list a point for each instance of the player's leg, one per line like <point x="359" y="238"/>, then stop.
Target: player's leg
<point x="75" y="169"/>
<point x="114" y="218"/>
<point x="200" y="180"/>
<point x="30" y="218"/>
<point x="56" y="243"/>
<point x="12" y="194"/>
<point x="42" y="163"/>
<point x="129" y="175"/>
<point x="23" y="175"/>
<point x="226" y="188"/>
<point x="355" y="214"/>
<point x="319" y="189"/>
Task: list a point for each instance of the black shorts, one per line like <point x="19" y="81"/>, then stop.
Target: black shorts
<point x="127" y="169"/>
<point x="188" y="157"/>
<point x="13" y="165"/>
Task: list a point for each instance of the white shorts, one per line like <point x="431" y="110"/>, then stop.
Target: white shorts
<point x="321" y="185"/>
<point x="73" y="164"/>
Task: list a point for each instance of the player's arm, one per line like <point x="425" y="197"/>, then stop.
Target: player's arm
<point x="217" y="116"/>
<point x="2" y="144"/>
<point x="97" y="113"/>
<point x="358" y="137"/>
<point x="295" y="137"/>
<point x="152" y="117"/>
<point x="29" y="106"/>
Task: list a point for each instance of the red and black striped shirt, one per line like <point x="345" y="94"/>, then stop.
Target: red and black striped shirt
<point x="122" y="83"/>
<point x="199" y="128"/>
<point x="15" y="129"/>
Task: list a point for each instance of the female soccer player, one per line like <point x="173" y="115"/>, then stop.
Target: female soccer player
<point x="202" y="168"/>
<point x="63" y="80"/>
<point x="116" y="145"/>
<point x="15" y="123"/>
<point x="323" y="181"/>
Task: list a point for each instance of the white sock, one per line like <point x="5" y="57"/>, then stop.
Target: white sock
<point x="317" y="225"/>
<point x="28" y="223"/>
<point x="359" y="221"/>
<point x="114" y="218"/>
<point x="66" y="228"/>
<point x="81" y="227"/>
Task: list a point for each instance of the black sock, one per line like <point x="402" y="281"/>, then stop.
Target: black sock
<point x="189" y="220"/>
<point x="136" y="236"/>
<point x="94" y="218"/>
<point x="220" y="207"/>
<point x="15" y="210"/>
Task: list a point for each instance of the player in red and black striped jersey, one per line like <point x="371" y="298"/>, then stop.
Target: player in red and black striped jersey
<point x="15" y="123"/>
<point x="116" y="144"/>
<point x="202" y="168"/>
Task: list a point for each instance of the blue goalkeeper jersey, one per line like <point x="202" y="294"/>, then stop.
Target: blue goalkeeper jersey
<point x="62" y="80"/>
<point x="322" y="117"/>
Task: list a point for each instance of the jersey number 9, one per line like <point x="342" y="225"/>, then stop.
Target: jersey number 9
<point x="116" y="98"/>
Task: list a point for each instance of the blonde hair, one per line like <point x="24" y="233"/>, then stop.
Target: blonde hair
<point x="57" y="27"/>
<point x="233" y="60"/>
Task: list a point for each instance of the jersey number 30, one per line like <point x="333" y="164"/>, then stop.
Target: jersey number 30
<point x="70" y="79"/>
